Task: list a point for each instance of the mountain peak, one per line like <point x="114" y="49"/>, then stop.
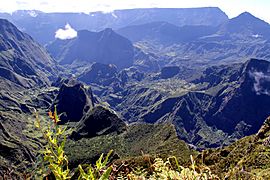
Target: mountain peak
<point x="245" y="14"/>
<point x="105" y="47"/>
<point x="246" y="17"/>
<point x="247" y="24"/>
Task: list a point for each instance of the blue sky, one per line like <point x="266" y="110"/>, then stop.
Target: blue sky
<point x="232" y="8"/>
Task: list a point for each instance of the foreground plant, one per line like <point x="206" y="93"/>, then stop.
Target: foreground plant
<point x="54" y="159"/>
<point x="98" y="171"/>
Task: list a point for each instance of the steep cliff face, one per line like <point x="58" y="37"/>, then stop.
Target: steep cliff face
<point x="247" y="105"/>
<point x="73" y="101"/>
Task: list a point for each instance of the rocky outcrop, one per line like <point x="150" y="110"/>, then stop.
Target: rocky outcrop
<point x="73" y="101"/>
<point x="261" y="134"/>
<point x="99" y="121"/>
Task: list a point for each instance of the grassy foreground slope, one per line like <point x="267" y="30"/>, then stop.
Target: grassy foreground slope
<point x="247" y="158"/>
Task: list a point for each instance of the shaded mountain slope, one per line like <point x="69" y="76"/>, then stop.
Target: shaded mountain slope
<point x="73" y="101"/>
<point x="102" y="74"/>
<point x="23" y="61"/>
<point x="247" y="103"/>
<point x="103" y="47"/>
<point x="100" y="121"/>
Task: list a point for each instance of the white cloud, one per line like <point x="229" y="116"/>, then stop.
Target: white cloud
<point x="256" y="36"/>
<point x="260" y="78"/>
<point x="67" y="33"/>
<point x="32" y="13"/>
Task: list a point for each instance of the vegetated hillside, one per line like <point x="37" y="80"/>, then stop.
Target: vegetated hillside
<point x="23" y="62"/>
<point x="42" y="26"/>
<point x="244" y="36"/>
<point x="100" y="129"/>
<point x="247" y="158"/>
<point x="104" y="47"/>
<point x="26" y="72"/>
<point x="215" y="108"/>
<point x="155" y="140"/>
<point x="92" y="130"/>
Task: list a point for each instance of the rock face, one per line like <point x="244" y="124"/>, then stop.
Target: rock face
<point x="261" y="134"/>
<point x="105" y="47"/>
<point x="99" y="121"/>
<point x="73" y="101"/>
<point x="246" y="103"/>
<point x="23" y="62"/>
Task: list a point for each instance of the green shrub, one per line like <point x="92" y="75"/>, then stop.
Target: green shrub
<point x="165" y="170"/>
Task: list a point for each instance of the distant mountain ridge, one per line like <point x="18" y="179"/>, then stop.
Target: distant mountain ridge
<point x="162" y="43"/>
<point x="165" y="33"/>
<point x="42" y="26"/>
